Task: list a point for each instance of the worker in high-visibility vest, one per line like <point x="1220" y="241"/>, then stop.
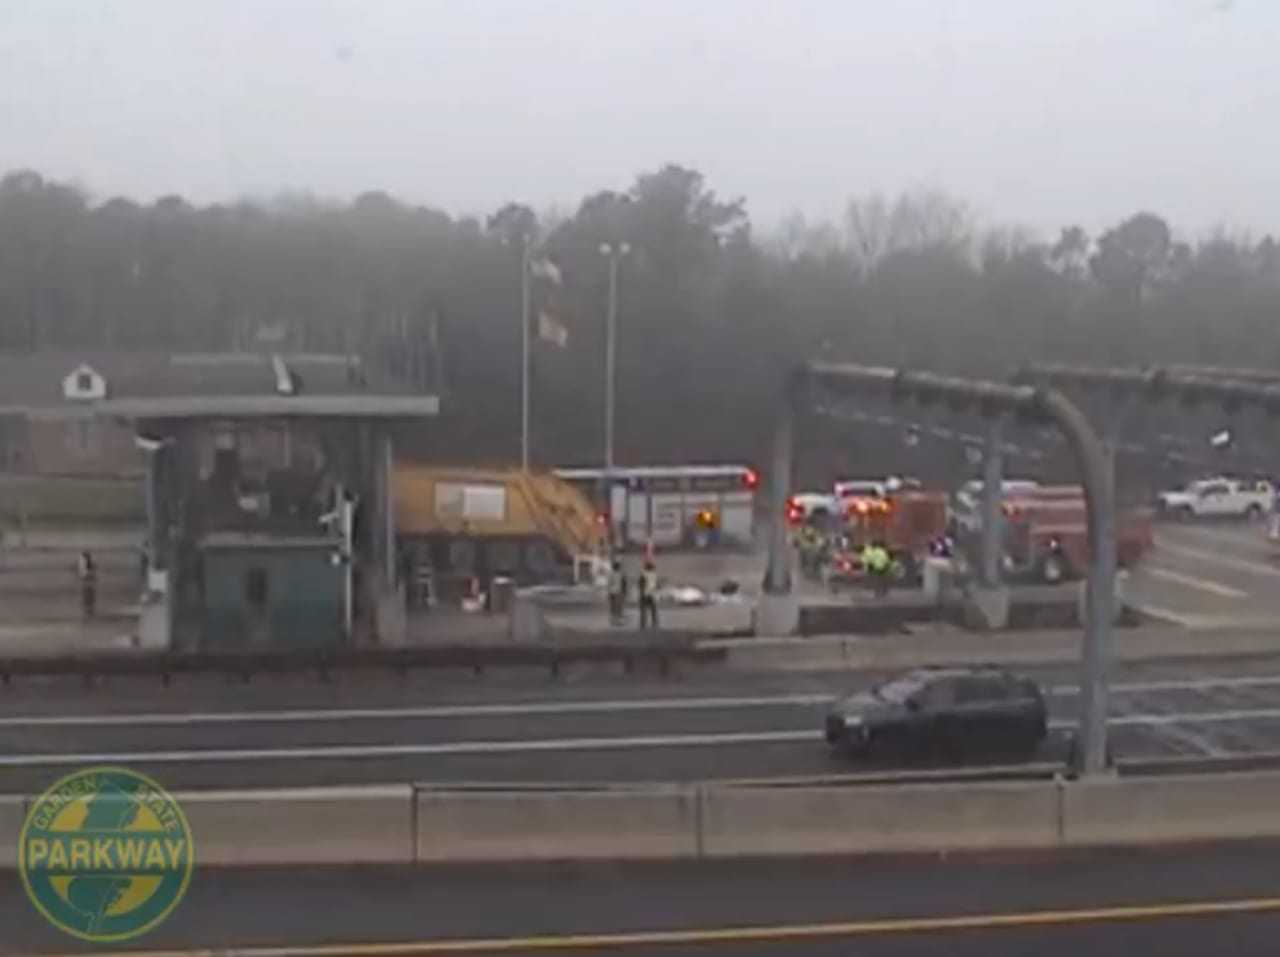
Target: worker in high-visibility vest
<point x="877" y="562"/>
<point x="812" y="546"/>
<point x="648" y="592"/>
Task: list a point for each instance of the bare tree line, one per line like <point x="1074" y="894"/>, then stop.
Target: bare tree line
<point x="711" y="315"/>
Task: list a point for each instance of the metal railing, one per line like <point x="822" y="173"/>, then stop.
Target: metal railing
<point x="324" y="664"/>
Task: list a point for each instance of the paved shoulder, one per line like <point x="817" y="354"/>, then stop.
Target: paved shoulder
<point x="1044" y="904"/>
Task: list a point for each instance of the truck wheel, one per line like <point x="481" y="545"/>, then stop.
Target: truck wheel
<point x="1184" y="513"/>
<point x="1053" y="569"/>
<point x="1253" y="512"/>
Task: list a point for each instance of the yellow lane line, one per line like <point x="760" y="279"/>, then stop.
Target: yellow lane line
<point x="736" y="935"/>
<point x="1191" y="581"/>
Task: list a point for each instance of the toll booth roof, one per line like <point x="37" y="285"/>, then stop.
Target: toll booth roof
<point x="242" y="540"/>
<point x="275" y="407"/>
<point x="234" y="385"/>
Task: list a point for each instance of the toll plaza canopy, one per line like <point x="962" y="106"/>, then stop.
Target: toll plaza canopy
<point x="275" y="447"/>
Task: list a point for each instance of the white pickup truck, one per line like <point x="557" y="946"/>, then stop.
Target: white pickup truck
<point x="1218" y="498"/>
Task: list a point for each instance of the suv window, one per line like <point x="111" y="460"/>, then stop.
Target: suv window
<point x="938" y="694"/>
<point x="979" y="688"/>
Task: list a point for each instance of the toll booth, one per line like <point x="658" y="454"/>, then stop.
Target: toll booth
<point x="269" y="514"/>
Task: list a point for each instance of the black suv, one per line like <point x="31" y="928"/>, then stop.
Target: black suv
<point x="942" y="710"/>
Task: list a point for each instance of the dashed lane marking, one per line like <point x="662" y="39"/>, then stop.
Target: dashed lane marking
<point x="1193" y="581"/>
<point x="635" y="742"/>
<point x="540" y="708"/>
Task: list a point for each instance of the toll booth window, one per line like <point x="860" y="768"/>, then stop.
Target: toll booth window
<point x="256" y="589"/>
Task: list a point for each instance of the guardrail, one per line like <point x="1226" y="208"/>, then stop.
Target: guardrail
<point x="324" y="663"/>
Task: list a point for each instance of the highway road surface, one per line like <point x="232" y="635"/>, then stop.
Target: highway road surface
<point x="1210" y="575"/>
<point x="589" y="726"/>
<point x="1174" y="902"/>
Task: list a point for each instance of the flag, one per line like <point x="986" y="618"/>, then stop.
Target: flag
<point x="545" y="269"/>
<point x="551" y="329"/>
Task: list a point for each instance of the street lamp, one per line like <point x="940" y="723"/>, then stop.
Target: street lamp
<point x="526" y="253"/>
<point x="614" y="253"/>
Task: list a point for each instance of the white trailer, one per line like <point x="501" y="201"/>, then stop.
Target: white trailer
<point x="679" y="506"/>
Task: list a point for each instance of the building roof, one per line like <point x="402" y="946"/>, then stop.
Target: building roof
<point x="265" y="540"/>
<point x="193" y="385"/>
<point x="273" y="407"/>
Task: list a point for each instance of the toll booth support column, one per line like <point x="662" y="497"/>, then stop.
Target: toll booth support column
<point x="392" y="624"/>
<point x="986" y="605"/>
<point x="155" y="619"/>
<point x="992" y="499"/>
<point x="158" y="558"/>
<point x="777" y="612"/>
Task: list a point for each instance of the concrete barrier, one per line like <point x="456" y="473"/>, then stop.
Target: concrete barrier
<point x="933" y="817"/>
<point x="622" y="823"/>
<point x="302" y="826"/>
<point x="1024" y="648"/>
<point x="13" y="811"/>
<point x="1163" y="809"/>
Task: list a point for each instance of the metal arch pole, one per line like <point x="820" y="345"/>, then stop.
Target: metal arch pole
<point x="524" y="354"/>
<point x="1091" y="753"/>
<point x="777" y="579"/>
<point x="615" y="540"/>
<point x="610" y="364"/>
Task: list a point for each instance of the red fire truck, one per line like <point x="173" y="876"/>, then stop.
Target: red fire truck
<point x="1047" y="540"/>
<point x="908" y="523"/>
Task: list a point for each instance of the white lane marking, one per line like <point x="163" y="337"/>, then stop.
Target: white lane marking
<point x="1192" y="622"/>
<point x="341" y="752"/>
<point x="1217" y="558"/>
<point x="1201" y="717"/>
<point x="1180" y="684"/>
<point x="1194" y="739"/>
<point x="455" y="748"/>
<point x="159" y="719"/>
<point x="535" y="708"/>
<point x="1192" y="581"/>
<point x="1250" y="535"/>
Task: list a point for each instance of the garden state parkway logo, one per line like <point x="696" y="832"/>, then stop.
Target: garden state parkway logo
<point x="105" y="854"/>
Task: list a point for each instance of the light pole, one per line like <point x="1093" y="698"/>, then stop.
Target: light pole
<point x="525" y="246"/>
<point x="613" y="252"/>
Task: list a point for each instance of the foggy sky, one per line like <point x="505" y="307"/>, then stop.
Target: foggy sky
<point x="1043" y="112"/>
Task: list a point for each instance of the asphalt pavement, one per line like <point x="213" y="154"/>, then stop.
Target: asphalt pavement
<point x="592" y="725"/>
<point x="1210" y="575"/>
<point x="1219" y="900"/>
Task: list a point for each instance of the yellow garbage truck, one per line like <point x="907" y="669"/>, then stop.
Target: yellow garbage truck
<point x="459" y="528"/>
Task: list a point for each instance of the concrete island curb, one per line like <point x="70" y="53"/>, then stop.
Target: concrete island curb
<point x="1015" y="648"/>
